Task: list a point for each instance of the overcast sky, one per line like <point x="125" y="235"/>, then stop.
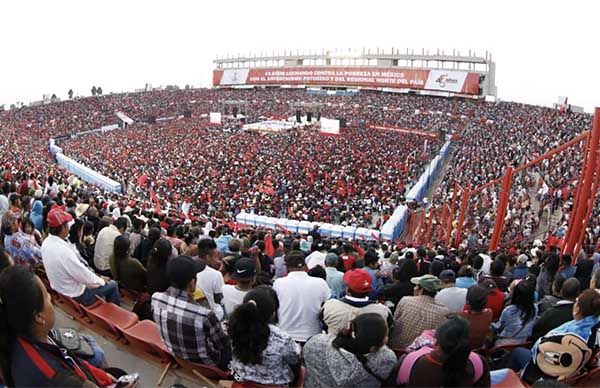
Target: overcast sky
<point x="542" y="49"/>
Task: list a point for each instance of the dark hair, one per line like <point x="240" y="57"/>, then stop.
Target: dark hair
<point x="566" y="259"/>
<point x="205" y="245"/>
<point x="371" y="257"/>
<point x="120" y="252"/>
<point x="22" y="298"/>
<point x="406" y="270"/>
<point x="465" y="271"/>
<point x="318" y="272"/>
<point x="497" y="267"/>
<point x="366" y="330"/>
<point x="437" y="267"/>
<point x="570" y="288"/>
<point x="4" y="259"/>
<point x="477" y="297"/>
<point x="88" y="228"/>
<point x="453" y="338"/>
<point x="559" y="281"/>
<point x="523" y="298"/>
<point x="551" y="264"/>
<point x="74" y="231"/>
<point x="589" y="303"/>
<point x="596" y="279"/>
<point x="478" y="262"/>
<point x="249" y="324"/>
<point x="121" y="223"/>
<point x="160" y="253"/>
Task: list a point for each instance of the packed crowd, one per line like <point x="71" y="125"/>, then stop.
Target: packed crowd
<point x="264" y="304"/>
<point x="355" y="179"/>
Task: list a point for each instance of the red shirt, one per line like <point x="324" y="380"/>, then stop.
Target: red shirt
<point x="495" y="302"/>
<point x="349" y="262"/>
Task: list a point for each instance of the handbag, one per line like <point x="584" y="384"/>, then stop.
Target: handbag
<point x="72" y="341"/>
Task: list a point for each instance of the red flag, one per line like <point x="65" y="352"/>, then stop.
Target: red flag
<point x="155" y="201"/>
<point x="141" y="181"/>
<point x="269" y="249"/>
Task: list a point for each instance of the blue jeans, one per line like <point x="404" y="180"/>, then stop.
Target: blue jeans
<point x="98" y="359"/>
<point x="519" y="358"/>
<point x="110" y="291"/>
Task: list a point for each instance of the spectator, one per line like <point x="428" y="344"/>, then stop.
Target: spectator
<point x="262" y="352"/>
<point x="189" y="330"/>
<point x="348" y="257"/>
<point x="450" y="364"/>
<point x="560" y="313"/>
<point x="126" y="270"/>
<point x="66" y="273"/>
<point x="24" y="250"/>
<point x="583" y="271"/>
<point x="317" y="256"/>
<point x="414" y="314"/>
<point x="300" y="299"/>
<point x="157" y="266"/>
<point x="372" y="268"/>
<point x="520" y="270"/>
<point x="567" y="270"/>
<point x="105" y="245"/>
<point x="335" y="279"/>
<point x="495" y="300"/>
<point x="356" y="357"/>
<point x="36" y="215"/>
<point x="549" y="301"/>
<point x="209" y="280"/>
<point x="337" y="313"/>
<point x="478" y="316"/>
<point x="497" y="275"/>
<point x="402" y="286"/>
<point x="451" y="296"/>
<point x="465" y="277"/>
<point x="244" y="273"/>
<point x="547" y="272"/>
<point x="29" y="358"/>
<point x="516" y="321"/>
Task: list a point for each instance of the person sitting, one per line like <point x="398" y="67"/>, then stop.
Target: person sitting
<point x="414" y="314"/>
<point x="356" y="357"/>
<point x="335" y="279"/>
<point x="156" y="274"/>
<point x="550" y="300"/>
<point x="126" y="270"/>
<point x="105" y="244"/>
<point x="584" y="270"/>
<point x="244" y="273"/>
<point x="262" y="352"/>
<point x="449" y="364"/>
<point x="210" y="281"/>
<point x="337" y="313"/>
<point x="451" y="296"/>
<point x="517" y="319"/>
<point x="497" y="275"/>
<point x="478" y="316"/>
<point x="465" y="277"/>
<point x="300" y="299"/>
<point x="189" y="330"/>
<point x="67" y="274"/>
<point x="372" y="268"/>
<point x="407" y="269"/>
<point x="24" y="250"/>
<point x="520" y="270"/>
<point x="567" y="270"/>
<point x="495" y="300"/>
<point x="29" y="356"/>
<point x="561" y="312"/>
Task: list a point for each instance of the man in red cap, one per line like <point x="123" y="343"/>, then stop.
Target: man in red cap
<point x="67" y="274"/>
<point x="338" y="313"/>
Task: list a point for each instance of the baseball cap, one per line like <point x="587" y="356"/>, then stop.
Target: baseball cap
<point x="358" y="280"/>
<point x="448" y="276"/>
<point x="181" y="270"/>
<point x="58" y="217"/>
<point x="427" y="282"/>
<point x="244" y="269"/>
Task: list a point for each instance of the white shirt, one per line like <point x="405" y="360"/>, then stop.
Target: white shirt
<point x="314" y="259"/>
<point x="4" y="205"/>
<point x="105" y="247"/>
<point x="67" y="275"/>
<point x="232" y="297"/>
<point x="210" y="281"/>
<point x="452" y="297"/>
<point x="300" y="300"/>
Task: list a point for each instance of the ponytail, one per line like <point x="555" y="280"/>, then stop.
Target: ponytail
<point x="249" y="325"/>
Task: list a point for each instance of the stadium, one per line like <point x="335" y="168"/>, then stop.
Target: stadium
<point x="365" y="191"/>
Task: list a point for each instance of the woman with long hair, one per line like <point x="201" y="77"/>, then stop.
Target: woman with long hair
<point x="449" y="364"/>
<point x="28" y="356"/>
<point x="156" y="275"/>
<point x="516" y="321"/>
<point x="356" y="357"/>
<point x="262" y="353"/>
<point x="548" y="271"/>
<point x="126" y="270"/>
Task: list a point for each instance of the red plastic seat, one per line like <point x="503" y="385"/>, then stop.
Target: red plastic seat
<point x="114" y="318"/>
<point x="145" y="335"/>
<point x="208" y="371"/>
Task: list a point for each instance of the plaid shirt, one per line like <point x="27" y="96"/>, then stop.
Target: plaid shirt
<point x="413" y="315"/>
<point x="190" y="330"/>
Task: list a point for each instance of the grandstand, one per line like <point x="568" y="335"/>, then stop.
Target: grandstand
<point x="379" y="158"/>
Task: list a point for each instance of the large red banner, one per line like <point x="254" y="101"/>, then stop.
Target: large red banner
<point x="397" y="78"/>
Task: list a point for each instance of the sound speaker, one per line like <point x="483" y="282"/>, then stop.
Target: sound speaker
<point x="309" y="117"/>
<point x="187" y="114"/>
<point x="298" y="119"/>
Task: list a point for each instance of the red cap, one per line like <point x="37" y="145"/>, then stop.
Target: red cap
<point x="358" y="280"/>
<point x="58" y="217"/>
